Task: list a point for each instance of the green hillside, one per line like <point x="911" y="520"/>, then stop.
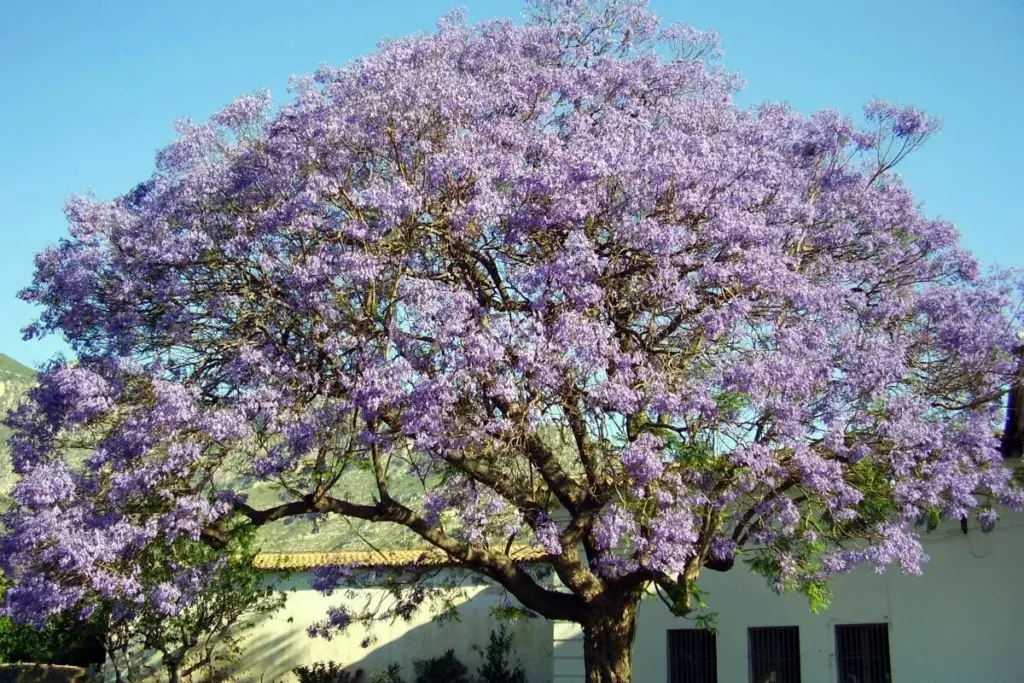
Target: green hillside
<point x="340" y="533"/>
<point x="16" y="379"/>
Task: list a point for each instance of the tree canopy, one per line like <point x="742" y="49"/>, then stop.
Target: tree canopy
<point x="551" y="266"/>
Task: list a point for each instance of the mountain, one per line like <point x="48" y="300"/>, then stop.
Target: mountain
<point x="15" y="380"/>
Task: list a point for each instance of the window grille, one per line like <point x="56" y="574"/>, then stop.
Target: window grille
<point x="692" y="656"/>
<point x="862" y="653"/>
<point x="774" y="654"/>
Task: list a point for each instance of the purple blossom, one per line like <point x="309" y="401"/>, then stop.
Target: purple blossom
<point x="548" y="535"/>
<point x="643" y="458"/>
<point x="615" y="525"/>
<point x="327" y="578"/>
<point x="434" y="503"/>
<point x="338" y="619"/>
<point x="47" y="484"/>
<point x="722" y="549"/>
<point x="906" y="121"/>
<point x="244" y="111"/>
<point x="672" y="540"/>
<point x="166" y="599"/>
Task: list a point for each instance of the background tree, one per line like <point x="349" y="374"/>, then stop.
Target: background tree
<point x="199" y="603"/>
<point x="552" y="267"/>
<point x="64" y="639"/>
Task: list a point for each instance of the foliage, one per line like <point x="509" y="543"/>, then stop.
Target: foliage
<point x="392" y="674"/>
<point x="200" y="603"/>
<point x="444" y="669"/>
<point x="550" y="267"/>
<point x="327" y="672"/>
<point x="15" y="380"/>
<point x="63" y="640"/>
<point x="702" y="617"/>
<point x="497" y="666"/>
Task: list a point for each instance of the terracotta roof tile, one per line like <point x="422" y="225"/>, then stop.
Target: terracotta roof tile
<point x="298" y="561"/>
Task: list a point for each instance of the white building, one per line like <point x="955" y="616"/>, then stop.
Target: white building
<point x="962" y="622"/>
<point x="281" y="643"/>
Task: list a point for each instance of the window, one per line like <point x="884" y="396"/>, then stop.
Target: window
<point x="774" y="654"/>
<point x="692" y="656"/>
<point x="862" y="653"/>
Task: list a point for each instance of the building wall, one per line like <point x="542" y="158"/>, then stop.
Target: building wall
<point x="280" y="643"/>
<point x="962" y="622"/>
<point x="567" y="656"/>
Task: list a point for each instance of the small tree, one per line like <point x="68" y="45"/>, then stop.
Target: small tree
<point x="497" y="666"/>
<point x="550" y="270"/>
<point x="198" y="603"/>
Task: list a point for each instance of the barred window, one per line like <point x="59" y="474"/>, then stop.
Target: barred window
<point x="692" y="656"/>
<point x="774" y="654"/>
<point x="862" y="653"/>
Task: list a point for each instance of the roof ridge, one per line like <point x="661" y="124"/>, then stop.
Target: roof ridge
<point x="433" y="557"/>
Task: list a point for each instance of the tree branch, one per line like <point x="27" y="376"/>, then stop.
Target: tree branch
<point x="498" y="566"/>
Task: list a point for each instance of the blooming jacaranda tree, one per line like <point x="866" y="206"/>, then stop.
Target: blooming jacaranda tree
<point x="551" y="267"/>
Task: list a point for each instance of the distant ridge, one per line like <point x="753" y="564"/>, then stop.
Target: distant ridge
<point x="11" y="366"/>
<point x="15" y="380"/>
<point x="280" y="536"/>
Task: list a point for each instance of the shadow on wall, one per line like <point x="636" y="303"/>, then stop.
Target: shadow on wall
<point x="280" y="642"/>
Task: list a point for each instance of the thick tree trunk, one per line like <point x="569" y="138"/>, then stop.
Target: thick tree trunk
<point x="608" y="641"/>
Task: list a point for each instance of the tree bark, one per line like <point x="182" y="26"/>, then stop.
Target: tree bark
<point x="608" y="640"/>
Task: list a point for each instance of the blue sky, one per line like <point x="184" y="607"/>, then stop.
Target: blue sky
<point x="91" y="89"/>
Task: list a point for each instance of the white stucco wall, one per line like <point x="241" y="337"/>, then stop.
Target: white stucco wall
<point x="962" y="622"/>
<point x="280" y="643"/>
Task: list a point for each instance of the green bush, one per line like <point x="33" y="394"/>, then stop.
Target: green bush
<point x="393" y="674"/>
<point x="327" y="672"/>
<point x="444" y="669"/>
<point x="63" y="640"/>
<point x="497" y="666"/>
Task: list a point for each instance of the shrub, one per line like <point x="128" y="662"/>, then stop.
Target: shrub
<point x="393" y="674"/>
<point x="327" y="672"/>
<point x="497" y="667"/>
<point x="444" y="669"/>
<point x="64" y="640"/>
